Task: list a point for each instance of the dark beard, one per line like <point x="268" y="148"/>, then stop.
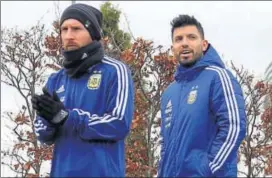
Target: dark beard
<point x="188" y="65"/>
<point x="191" y="63"/>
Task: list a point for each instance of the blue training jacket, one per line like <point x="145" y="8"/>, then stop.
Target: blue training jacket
<point x="203" y="121"/>
<point x="100" y="104"/>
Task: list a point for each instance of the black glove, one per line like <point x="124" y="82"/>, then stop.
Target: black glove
<point x="36" y="98"/>
<point x="50" y="107"/>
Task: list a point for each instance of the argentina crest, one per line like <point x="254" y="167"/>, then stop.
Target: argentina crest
<point x="94" y="81"/>
<point x="192" y="97"/>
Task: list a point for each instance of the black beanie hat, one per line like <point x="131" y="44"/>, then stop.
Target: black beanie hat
<point x="90" y="17"/>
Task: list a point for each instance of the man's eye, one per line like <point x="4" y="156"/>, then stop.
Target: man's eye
<point x="192" y="37"/>
<point x="64" y="29"/>
<point x="178" y="39"/>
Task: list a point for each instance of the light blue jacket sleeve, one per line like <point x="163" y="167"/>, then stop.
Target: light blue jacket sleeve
<point x="228" y="106"/>
<point x="114" y="125"/>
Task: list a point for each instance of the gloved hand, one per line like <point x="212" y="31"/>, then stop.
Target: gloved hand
<point x="35" y="101"/>
<point x="50" y="107"/>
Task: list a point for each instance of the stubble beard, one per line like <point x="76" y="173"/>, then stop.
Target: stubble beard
<point x="189" y="63"/>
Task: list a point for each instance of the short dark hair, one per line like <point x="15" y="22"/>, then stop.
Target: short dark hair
<point x="184" y="20"/>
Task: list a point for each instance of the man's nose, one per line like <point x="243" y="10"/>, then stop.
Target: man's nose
<point x="184" y="42"/>
<point x="69" y="34"/>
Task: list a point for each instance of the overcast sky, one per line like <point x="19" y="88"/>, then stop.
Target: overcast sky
<point x="239" y="30"/>
<point x="242" y="31"/>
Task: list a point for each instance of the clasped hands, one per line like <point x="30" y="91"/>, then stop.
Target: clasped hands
<point x="49" y="107"/>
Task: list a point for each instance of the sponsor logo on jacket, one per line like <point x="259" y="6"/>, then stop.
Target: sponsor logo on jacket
<point x="61" y="89"/>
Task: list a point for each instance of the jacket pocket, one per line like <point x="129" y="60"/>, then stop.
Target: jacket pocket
<point x="196" y="165"/>
<point x="228" y="170"/>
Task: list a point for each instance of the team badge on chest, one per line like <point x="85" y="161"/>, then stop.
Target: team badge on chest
<point x="192" y="95"/>
<point x="94" y="81"/>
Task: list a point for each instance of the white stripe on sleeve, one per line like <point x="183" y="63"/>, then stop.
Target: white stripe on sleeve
<point x="234" y="119"/>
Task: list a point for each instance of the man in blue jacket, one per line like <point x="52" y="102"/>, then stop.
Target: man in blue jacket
<point x="86" y="108"/>
<point x="203" y="110"/>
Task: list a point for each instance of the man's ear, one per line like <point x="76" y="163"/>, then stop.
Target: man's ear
<point x="172" y="49"/>
<point x="205" y="45"/>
